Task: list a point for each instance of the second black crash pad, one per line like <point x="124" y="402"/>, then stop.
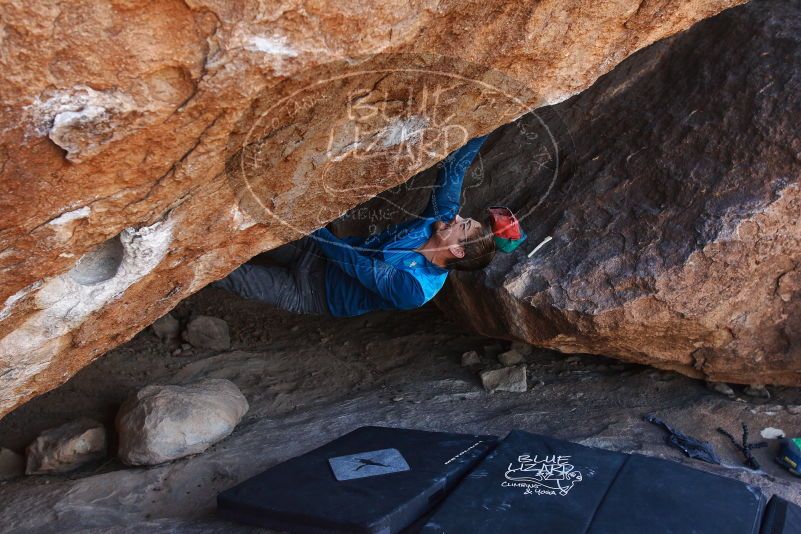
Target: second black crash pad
<point x="533" y="483"/>
<point x="781" y="517"/>
<point x="372" y="480"/>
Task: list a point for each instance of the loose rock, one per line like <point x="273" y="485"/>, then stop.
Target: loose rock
<point x="470" y="358"/>
<point x="510" y="357"/>
<point x="67" y="447"/>
<point x="772" y="433"/>
<point x="167" y="328"/>
<point x="505" y="379"/>
<point x="722" y="388"/>
<point x="162" y="423"/>
<point x="757" y="390"/>
<point x="12" y="464"/>
<point x="205" y="332"/>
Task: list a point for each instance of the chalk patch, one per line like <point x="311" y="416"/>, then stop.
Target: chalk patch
<point x="64" y="304"/>
<point x="398" y="131"/>
<point x="11" y="301"/>
<point x="275" y="45"/>
<point x="80" y="120"/>
<point x="70" y="216"/>
<point x="403" y="130"/>
<point x="241" y="220"/>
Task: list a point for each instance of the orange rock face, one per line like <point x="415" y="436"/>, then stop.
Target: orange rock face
<point x="147" y="149"/>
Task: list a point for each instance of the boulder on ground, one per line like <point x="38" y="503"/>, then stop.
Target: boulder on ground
<point x="163" y="423"/>
<point x="510" y="357"/>
<point x="12" y="464"/>
<point x="205" y="332"/>
<point x="673" y="208"/>
<point x="757" y="390"/>
<point x="66" y="447"/>
<point x="505" y="379"/>
<point x="722" y="388"/>
<point x="167" y="328"/>
<point x="470" y="358"/>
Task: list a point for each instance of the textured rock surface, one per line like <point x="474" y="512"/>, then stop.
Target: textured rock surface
<point x="510" y="357"/>
<point x="162" y="423"/>
<point x="303" y="393"/>
<point x="66" y="447"/>
<point x="505" y="379"/>
<point x="12" y="464"/>
<point x="118" y="120"/>
<point x="673" y="199"/>
<point x="205" y="332"/>
<point x="167" y="328"/>
<point x="676" y="214"/>
<point x="470" y="358"/>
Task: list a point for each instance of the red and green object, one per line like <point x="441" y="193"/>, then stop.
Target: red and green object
<point x="506" y="229"/>
<point x="790" y="455"/>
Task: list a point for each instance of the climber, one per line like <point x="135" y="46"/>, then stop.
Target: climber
<point x="400" y="268"/>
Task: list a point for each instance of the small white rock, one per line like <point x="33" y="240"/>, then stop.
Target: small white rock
<point x="510" y="357"/>
<point x="167" y="328"/>
<point x="505" y="379"/>
<point x="772" y="433"/>
<point x="67" y="447"/>
<point x="722" y="388"/>
<point x="206" y="332"/>
<point x="470" y="358"/>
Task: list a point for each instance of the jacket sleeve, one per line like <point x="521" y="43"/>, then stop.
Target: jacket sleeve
<point x="445" y="199"/>
<point x="397" y="286"/>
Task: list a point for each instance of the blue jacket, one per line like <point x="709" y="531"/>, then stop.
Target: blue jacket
<point x="383" y="271"/>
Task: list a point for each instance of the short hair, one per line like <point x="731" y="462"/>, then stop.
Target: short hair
<point x="478" y="251"/>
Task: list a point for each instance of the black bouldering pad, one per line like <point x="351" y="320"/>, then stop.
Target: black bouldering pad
<point x="781" y="517"/>
<point x="533" y="483"/>
<point x="325" y="490"/>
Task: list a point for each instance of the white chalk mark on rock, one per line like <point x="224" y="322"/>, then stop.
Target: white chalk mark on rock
<point x="65" y="303"/>
<point x="81" y="120"/>
<point x="241" y="220"/>
<point x="403" y="130"/>
<point x="275" y="45"/>
<point x="11" y="301"/>
<point x="70" y="216"/>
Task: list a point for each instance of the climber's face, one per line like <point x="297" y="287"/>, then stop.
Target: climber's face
<point x="457" y="231"/>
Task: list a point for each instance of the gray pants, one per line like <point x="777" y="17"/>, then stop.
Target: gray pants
<point x="291" y="277"/>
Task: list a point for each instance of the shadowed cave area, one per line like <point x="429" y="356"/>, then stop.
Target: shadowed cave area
<point x="660" y="275"/>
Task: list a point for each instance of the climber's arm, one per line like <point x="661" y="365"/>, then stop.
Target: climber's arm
<point x="445" y="200"/>
<point x="394" y="285"/>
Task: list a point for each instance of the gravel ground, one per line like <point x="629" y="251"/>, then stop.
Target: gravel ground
<point x="309" y="380"/>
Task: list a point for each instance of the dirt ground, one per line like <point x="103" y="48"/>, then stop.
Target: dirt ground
<point x="309" y="380"/>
